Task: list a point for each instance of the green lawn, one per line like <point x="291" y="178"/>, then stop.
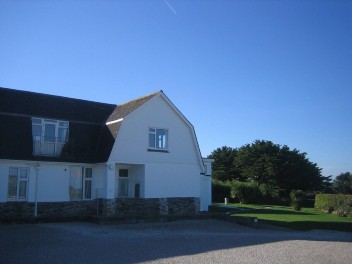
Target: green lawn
<point x="308" y="218"/>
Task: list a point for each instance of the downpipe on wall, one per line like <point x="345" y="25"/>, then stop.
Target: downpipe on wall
<point x="37" y="167"/>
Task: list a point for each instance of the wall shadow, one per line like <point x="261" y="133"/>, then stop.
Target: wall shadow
<point x="134" y="243"/>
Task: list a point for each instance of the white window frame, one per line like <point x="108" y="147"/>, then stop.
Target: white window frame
<point x="19" y="180"/>
<point x="87" y="179"/>
<point x="159" y="146"/>
<point x="84" y="179"/>
<point x="44" y="146"/>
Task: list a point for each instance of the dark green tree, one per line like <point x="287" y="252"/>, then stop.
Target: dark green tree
<point x="223" y="167"/>
<point x="264" y="162"/>
<point x="326" y="185"/>
<point x="297" y="172"/>
<point x="343" y="183"/>
<point x="258" y="161"/>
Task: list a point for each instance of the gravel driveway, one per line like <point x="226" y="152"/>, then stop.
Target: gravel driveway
<point x="202" y="241"/>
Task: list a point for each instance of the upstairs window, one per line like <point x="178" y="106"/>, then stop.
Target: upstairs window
<point x="49" y="136"/>
<point x="158" y="139"/>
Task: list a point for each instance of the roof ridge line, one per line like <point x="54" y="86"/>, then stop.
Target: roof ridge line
<point x="141" y="97"/>
<point x="56" y="96"/>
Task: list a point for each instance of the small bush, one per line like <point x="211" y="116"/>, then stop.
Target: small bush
<point x="297" y="198"/>
<point x="344" y="208"/>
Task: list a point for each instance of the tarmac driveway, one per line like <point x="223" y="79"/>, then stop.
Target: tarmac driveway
<point x="201" y="241"/>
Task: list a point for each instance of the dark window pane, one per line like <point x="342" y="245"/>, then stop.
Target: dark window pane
<point x="123" y="172"/>
<point x="88" y="189"/>
<point x="22" y="192"/>
<point x="151" y="140"/>
<point x="12" y="187"/>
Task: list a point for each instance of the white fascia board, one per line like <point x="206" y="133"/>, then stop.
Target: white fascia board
<point x="114" y="121"/>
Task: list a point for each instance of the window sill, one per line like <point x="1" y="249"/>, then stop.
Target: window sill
<point x="82" y="200"/>
<point x="16" y="200"/>
<point x="158" y="150"/>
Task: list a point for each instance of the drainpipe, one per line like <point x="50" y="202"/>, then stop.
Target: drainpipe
<point x="37" y="166"/>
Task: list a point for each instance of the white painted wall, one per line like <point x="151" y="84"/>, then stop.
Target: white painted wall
<point x="205" y="181"/>
<point x="99" y="181"/>
<point x="53" y="180"/>
<point x="4" y="175"/>
<point x="172" y="180"/>
<point x="205" y="193"/>
<point x="109" y="181"/>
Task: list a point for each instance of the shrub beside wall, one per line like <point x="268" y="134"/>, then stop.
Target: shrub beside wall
<point x="340" y="203"/>
<point x="243" y="192"/>
<point x="247" y="192"/>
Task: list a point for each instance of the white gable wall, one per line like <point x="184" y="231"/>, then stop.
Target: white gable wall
<point x="132" y="142"/>
<point x="172" y="174"/>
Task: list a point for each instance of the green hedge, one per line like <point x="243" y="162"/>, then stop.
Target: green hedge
<point x="340" y="203"/>
<point x="220" y="191"/>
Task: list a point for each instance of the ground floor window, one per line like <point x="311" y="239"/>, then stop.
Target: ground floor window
<point x="18" y="184"/>
<point x="80" y="183"/>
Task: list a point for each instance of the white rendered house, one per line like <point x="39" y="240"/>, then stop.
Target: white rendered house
<point x="66" y="157"/>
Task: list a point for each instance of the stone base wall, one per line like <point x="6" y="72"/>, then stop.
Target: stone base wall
<point x="18" y="210"/>
<point x="125" y="207"/>
<point x="67" y="209"/>
<point x="25" y="210"/>
<point x="149" y="207"/>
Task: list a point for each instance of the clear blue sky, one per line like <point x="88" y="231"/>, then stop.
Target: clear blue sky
<point x="239" y="70"/>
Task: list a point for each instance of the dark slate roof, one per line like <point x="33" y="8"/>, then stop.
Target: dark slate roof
<point x="92" y="138"/>
<point x="50" y="106"/>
